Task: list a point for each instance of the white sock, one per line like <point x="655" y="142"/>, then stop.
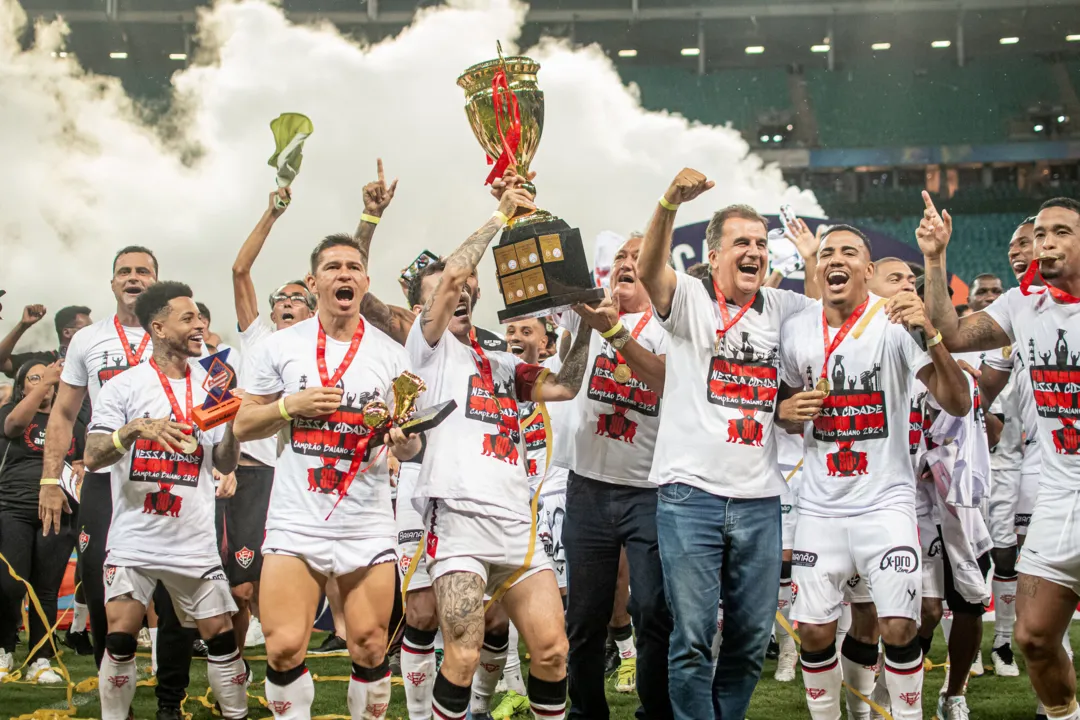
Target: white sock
<point x="1004" y="590"/>
<point x="78" y="620"/>
<point x="116" y="685"/>
<point x="512" y="670"/>
<point x="858" y="675"/>
<point x="946" y="623"/>
<point x="369" y="691"/>
<point x="227" y="675"/>
<point x="843" y="624"/>
<point x="627" y="649"/>
<point x="1066" y="643"/>
<point x="1066" y="714"/>
<point x="488" y="672"/>
<point x="292" y="701"/>
<point x="153" y="650"/>
<point x="418" y="671"/>
<point x="783" y="606"/>
<point x="822" y="679"/>
<point x="905" y="681"/>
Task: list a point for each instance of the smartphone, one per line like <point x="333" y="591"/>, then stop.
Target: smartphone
<point x="422" y="260"/>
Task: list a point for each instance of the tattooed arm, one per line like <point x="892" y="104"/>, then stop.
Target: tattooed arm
<point x="566" y="384"/>
<point x="435" y="317"/>
<point x="101" y="451"/>
<point x="393" y="320"/>
<point x="377" y="197"/>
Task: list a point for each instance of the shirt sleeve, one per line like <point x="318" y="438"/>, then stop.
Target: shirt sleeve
<point x="420" y="353"/>
<point x="790" y="373"/>
<point x="1000" y="359"/>
<point x="74" y="372"/>
<point x="1001" y="311"/>
<point x="255" y="332"/>
<point x="913" y="356"/>
<point x="109" y="411"/>
<point x="792" y="303"/>
<point x="681" y="303"/>
<point x="525" y="377"/>
<point x="265" y="376"/>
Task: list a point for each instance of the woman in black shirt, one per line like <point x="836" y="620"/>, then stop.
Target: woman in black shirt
<point x="40" y="559"/>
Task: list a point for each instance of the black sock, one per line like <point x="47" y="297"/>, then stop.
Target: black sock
<point x="449" y="700"/>
<point x="547" y="697"/>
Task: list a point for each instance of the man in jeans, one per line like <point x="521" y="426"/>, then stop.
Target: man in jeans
<point x="610" y="501"/>
<point x="718" y="511"/>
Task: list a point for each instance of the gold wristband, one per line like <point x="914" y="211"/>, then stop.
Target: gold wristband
<point x="281" y="409"/>
<point x="50" y="481"/>
<point x="116" y="441"/>
<point x="668" y="205"/>
<point x="613" y="331"/>
<point x="373" y="219"/>
<point x="933" y="341"/>
<point x="500" y="215"/>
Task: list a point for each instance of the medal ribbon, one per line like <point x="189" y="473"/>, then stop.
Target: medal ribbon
<point x="637" y="331"/>
<point x="1029" y="279"/>
<point x="483" y="365"/>
<point x="136" y="358"/>
<point x="830" y="348"/>
<point x="728" y="321"/>
<point x="179" y="414"/>
<point x="506" y="111"/>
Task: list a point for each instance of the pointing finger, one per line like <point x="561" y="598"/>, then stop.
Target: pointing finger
<point x="382" y="178"/>
<point x="928" y="202"/>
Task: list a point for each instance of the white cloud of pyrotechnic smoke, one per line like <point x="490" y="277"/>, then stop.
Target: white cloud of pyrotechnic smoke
<point x="85" y="175"/>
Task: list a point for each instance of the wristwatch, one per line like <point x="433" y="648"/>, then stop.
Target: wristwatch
<point x="620" y="340"/>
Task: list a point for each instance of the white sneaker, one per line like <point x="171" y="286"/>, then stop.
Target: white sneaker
<point x="501" y="686"/>
<point x="254" y="634"/>
<point x="1004" y="661"/>
<point x="977" y="667"/>
<point x="144" y="638"/>
<point x="6" y="663"/>
<point x="954" y="708"/>
<point x="42" y="673"/>
<point x="945" y="685"/>
<point x="785" y="663"/>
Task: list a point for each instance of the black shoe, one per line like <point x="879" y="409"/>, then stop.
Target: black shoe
<point x="199" y="649"/>
<point x="612" y="659"/>
<point x="79" y="642"/>
<point x="773" y="652"/>
<point x="169" y="713"/>
<point x="332" y="644"/>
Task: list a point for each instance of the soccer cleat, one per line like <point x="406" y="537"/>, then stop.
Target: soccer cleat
<point x="42" y="673"/>
<point x="773" y="651"/>
<point x="511" y="705"/>
<point x="79" y="642"/>
<point x="1004" y="661"/>
<point x="332" y="644"/>
<point x="254" y="634"/>
<point x="977" y="667"/>
<point x="6" y="663"/>
<point x="626" y="680"/>
<point x="611" y="658"/>
<point x="144" y="638"/>
<point x="785" y="664"/>
<point x="953" y="708"/>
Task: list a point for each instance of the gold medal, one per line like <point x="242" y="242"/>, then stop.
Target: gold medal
<point x="622" y="374"/>
<point x="823" y="386"/>
<point x="189" y="444"/>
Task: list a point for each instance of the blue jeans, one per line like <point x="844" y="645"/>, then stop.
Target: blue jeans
<point x="713" y="547"/>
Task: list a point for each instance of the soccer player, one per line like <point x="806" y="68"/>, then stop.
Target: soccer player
<point x="715" y="456"/>
<point x="330" y="512"/>
<point x="850" y="368"/>
<point x="1036" y="322"/>
<point x="480" y="523"/>
<point x="162" y="529"/>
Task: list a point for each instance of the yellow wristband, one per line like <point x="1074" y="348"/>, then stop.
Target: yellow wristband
<point x="668" y="205"/>
<point x="116" y="441"/>
<point x="500" y="215"/>
<point x="933" y="341"/>
<point x="281" y="409"/>
<point x="49" y="481"/>
<point x="374" y="220"/>
<point x="613" y="331"/>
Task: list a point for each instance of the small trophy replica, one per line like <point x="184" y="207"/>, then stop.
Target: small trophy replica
<point x="220" y="405"/>
<point x="540" y="259"/>
<point x="407" y="387"/>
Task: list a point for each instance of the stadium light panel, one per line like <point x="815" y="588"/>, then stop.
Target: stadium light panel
<point x="1038" y="128"/>
<point x="1072" y="38"/>
<point x="764" y="138"/>
<point x="777" y="138"/>
<point x="691" y="52"/>
<point x="62" y="54"/>
<point x="755" y="49"/>
<point x="819" y="48"/>
<point x="178" y="56"/>
<point x="941" y="43"/>
<point x="118" y="55"/>
<point x="628" y="53"/>
<point x="1062" y="119"/>
<point x="881" y="46"/>
<point x="1009" y="40"/>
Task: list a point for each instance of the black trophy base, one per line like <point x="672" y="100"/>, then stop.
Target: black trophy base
<point x="548" y="305"/>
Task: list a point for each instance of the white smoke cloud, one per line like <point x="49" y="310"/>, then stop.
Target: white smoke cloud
<point x="84" y="175"/>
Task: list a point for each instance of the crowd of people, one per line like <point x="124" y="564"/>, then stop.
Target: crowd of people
<point x="827" y="475"/>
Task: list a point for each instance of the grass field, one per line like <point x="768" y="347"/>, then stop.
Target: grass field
<point x="989" y="697"/>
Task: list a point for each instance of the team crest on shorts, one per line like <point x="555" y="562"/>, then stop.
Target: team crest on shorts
<point x="84" y="540"/>
<point x="110" y="573"/>
<point x="245" y="557"/>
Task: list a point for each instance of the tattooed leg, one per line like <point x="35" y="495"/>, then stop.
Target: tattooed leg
<point x="1043" y="612"/>
<point x="460" y="599"/>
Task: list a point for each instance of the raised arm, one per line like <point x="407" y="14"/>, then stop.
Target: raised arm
<point x="393" y="320"/>
<point x="653" y="269"/>
<point x="244" y="296"/>
<point x="807" y="243"/>
<point x="944" y="377"/>
<point x="435" y="317"/>
<point x="377" y="197"/>
<point x="977" y="331"/>
<point x="567" y="383"/>
<point x="23" y="412"/>
<point x="31" y="314"/>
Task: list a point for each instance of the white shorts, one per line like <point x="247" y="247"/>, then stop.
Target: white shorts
<point x="1052" y="548"/>
<point x="1001" y="510"/>
<point x="551" y="511"/>
<point x="789" y="516"/>
<point x="330" y="556"/>
<point x="410" y="532"/>
<point x="880" y="546"/>
<point x="195" y="596"/>
<point x="1025" y="502"/>
<point x="933" y="569"/>
<point x="503" y="552"/>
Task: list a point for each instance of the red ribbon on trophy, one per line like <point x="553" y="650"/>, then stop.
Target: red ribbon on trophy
<point x="506" y="110"/>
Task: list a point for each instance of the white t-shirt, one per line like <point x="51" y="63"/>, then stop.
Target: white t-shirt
<point x="856" y="452"/>
<point x="265" y="450"/>
<point x="475" y="458"/>
<point x="1024" y="397"/>
<point x="96" y="355"/>
<point x="1040" y="332"/>
<point x="163" y="502"/>
<point x="306" y="489"/>
<point x="1008" y="454"/>
<point x="716" y="433"/>
<point x="616" y="424"/>
<point x="563" y="418"/>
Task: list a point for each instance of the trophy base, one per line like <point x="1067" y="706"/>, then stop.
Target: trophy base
<point x="548" y="305"/>
<point x="206" y="418"/>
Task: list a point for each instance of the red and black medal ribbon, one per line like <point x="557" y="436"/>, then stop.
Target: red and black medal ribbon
<point x="830" y="348"/>
<point x="136" y="358"/>
<point x="1029" y="279"/>
<point x="728" y="321"/>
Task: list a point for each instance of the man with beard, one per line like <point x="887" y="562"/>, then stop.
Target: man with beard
<point x="718" y="510"/>
<point x="97" y="354"/>
<point x="162" y="528"/>
<point x="857" y="499"/>
<point x="985" y="289"/>
<point x="327" y="520"/>
<point x="1036" y="322"/>
<point x="481" y="524"/>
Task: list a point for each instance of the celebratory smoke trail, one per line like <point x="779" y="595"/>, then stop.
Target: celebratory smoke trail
<point x="85" y="175"/>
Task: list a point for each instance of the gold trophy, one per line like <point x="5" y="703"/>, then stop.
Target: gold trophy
<point x="406" y="388"/>
<point x="540" y="260"/>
